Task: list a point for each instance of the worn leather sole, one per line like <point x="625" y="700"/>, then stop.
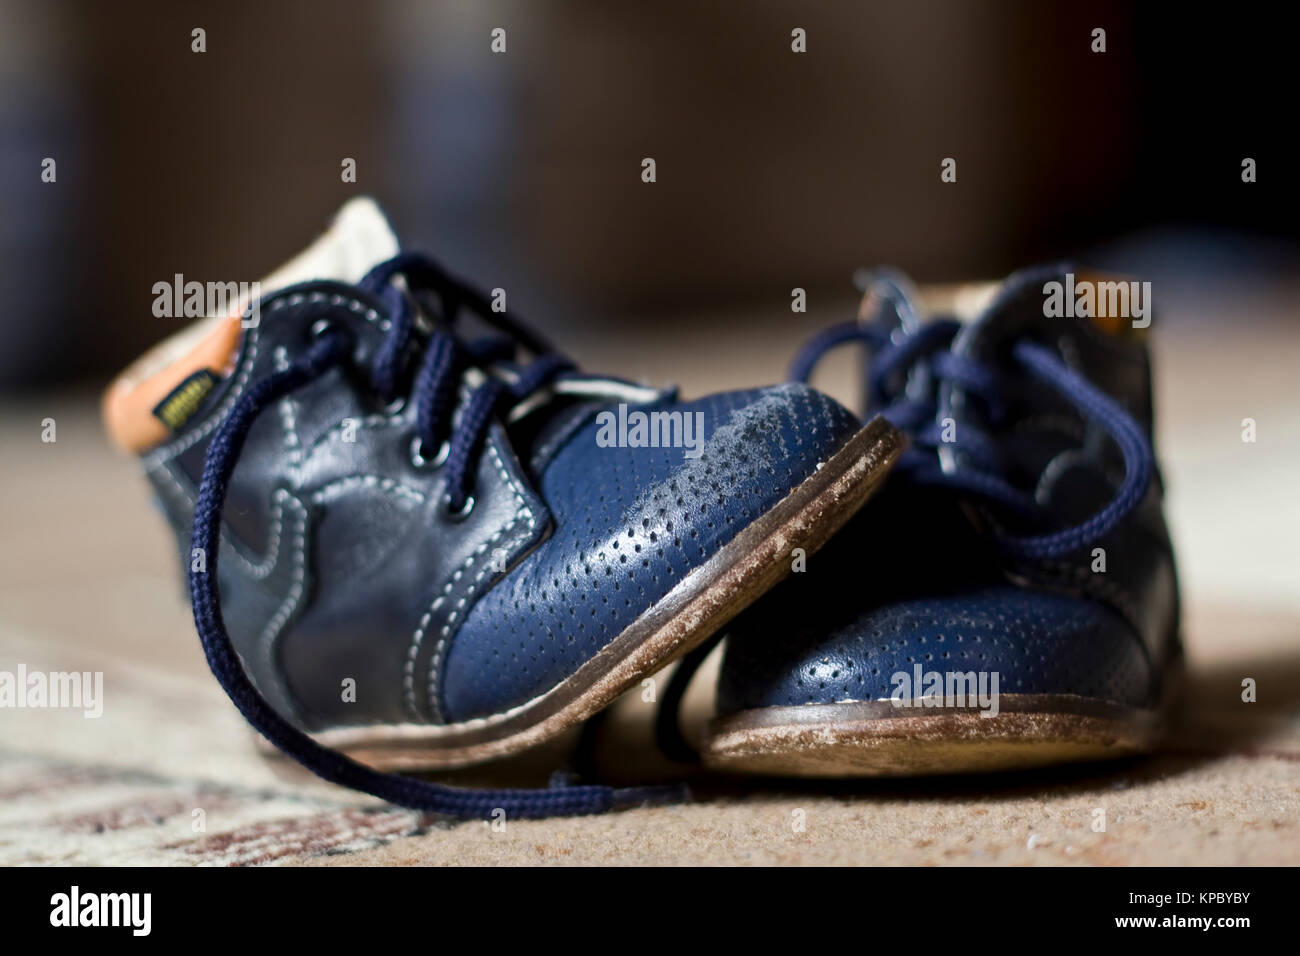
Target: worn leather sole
<point x="880" y="739"/>
<point x="706" y="599"/>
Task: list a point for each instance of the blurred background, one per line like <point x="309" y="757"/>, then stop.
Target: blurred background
<point x="522" y="169"/>
<point x="775" y="170"/>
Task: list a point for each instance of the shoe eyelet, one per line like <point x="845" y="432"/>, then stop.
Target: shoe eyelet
<point x="420" y="461"/>
<point x="462" y="514"/>
<point x="321" y="326"/>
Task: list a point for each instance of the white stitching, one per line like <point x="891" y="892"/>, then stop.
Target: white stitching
<point x="441" y="647"/>
<point x="168" y="452"/>
<point x="263" y="568"/>
<point x="266" y="642"/>
<point x="156" y="463"/>
<point x="288" y="417"/>
<point x="521" y="503"/>
<point x="267" y="565"/>
<point x="374" y="482"/>
<point x="257" y="569"/>
<point x="369" y="423"/>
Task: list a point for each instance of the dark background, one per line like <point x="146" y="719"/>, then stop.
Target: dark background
<point x="522" y="170"/>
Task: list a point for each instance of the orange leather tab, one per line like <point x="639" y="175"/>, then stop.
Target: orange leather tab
<point x="129" y="403"/>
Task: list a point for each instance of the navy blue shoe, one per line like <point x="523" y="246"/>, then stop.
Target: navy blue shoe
<point x="1009" y="599"/>
<point x="410" y="549"/>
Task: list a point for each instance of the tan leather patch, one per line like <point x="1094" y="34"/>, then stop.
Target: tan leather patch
<point x="129" y="403"/>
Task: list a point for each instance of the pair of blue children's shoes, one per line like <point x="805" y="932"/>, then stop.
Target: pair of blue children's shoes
<point x="409" y="548"/>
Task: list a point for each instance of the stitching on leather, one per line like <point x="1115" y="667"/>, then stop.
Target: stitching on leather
<point x="159" y="463"/>
<point x="256" y="569"/>
<point x="267" y="566"/>
<point x="373" y="482"/>
<point x="432" y="695"/>
<point x="369" y="423"/>
<point x="441" y="649"/>
<point x="168" y="452"/>
<point x="270" y="633"/>
<point x="654" y="503"/>
<point x="435" y="663"/>
<point x="288" y="417"/>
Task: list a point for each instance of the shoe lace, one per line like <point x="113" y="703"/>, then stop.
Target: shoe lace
<point x="433" y="391"/>
<point x="445" y="357"/>
<point x="924" y="356"/>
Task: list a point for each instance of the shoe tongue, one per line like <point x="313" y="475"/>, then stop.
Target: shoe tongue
<point x="163" y="388"/>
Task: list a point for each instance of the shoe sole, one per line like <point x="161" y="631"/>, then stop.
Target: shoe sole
<point x="746" y="567"/>
<point x="879" y="739"/>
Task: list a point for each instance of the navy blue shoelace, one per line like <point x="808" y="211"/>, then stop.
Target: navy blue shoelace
<point x="893" y="354"/>
<point x="445" y="357"/>
<point x="433" y="390"/>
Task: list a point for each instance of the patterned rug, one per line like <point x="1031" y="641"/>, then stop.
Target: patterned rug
<point x="168" y="775"/>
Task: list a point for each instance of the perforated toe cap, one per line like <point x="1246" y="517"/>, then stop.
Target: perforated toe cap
<point x="630" y="523"/>
<point x="1037" y="643"/>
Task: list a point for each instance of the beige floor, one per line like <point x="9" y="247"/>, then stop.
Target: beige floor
<point x="87" y="583"/>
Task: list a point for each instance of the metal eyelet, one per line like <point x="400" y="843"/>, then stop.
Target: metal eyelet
<point x="321" y="326"/>
<point x="394" y="407"/>
<point x="460" y="515"/>
<point x="437" y="461"/>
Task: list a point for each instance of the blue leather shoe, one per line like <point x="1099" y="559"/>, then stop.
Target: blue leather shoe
<point x="1009" y="599"/>
<point x="409" y="549"/>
